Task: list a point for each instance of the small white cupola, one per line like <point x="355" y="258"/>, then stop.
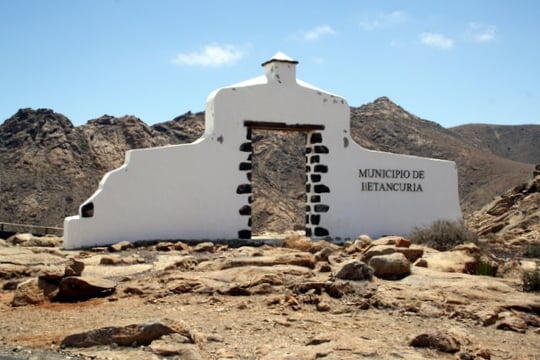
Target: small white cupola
<point x="280" y="68"/>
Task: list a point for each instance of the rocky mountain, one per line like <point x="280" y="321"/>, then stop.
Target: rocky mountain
<point x="520" y="142"/>
<point x="48" y="167"/>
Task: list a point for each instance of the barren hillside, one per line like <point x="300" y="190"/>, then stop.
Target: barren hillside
<point x="48" y="167"/>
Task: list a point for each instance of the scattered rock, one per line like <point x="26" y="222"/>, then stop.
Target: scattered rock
<point x="11" y="285"/>
<point x="323" y="306"/>
<point x="73" y="267"/>
<point x="392" y="266"/>
<point x="33" y="291"/>
<point x="215" y="338"/>
<point x="181" y="246"/>
<point x="131" y="335"/>
<point x="355" y="270"/>
<point x="461" y="261"/>
<point x="323" y="254"/>
<point x="28" y="240"/>
<point x="120" y="246"/>
<point x="294" y="258"/>
<point x="8" y="271"/>
<point x="324" y="267"/>
<point x="165" y="246"/>
<point x="421" y="263"/>
<point x="110" y="260"/>
<point x="204" y="247"/>
<point x="19" y="239"/>
<point x="51" y="272"/>
<point x="184" y="351"/>
<point x="397" y="241"/>
<point x="439" y="340"/>
<point x="75" y="288"/>
<point x="377" y="250"/>
<point x="511" y="321"/>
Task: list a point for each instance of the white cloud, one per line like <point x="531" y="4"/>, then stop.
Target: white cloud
<point x="383" y="20"/>
<point x="436" y="40"/>
<point x="318" y="32"/>
<point x="213" y="55"/>
<point x="481" y="33"/>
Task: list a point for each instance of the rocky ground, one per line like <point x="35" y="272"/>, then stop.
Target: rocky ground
<point x="379" y="299"/>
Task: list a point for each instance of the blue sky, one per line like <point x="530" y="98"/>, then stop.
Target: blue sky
<point x="453" y="62"/>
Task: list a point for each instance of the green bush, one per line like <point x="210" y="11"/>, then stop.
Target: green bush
<point x="486" y="269"/>
<point x="532" y="250"/>
<point x="531" y="280"/>
<point x="443" y="235"/>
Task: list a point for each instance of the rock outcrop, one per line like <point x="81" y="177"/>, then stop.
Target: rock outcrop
<point x="512" y="220"/>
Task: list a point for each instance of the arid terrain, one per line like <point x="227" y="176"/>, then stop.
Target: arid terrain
<point x="302" y="300"/>
<point x="388" y="298"/>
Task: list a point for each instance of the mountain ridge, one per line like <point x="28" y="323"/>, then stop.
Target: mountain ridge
<point x="49" y="166"/>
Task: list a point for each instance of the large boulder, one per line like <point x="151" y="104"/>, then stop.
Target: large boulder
<point x="391" y="266"/>
<point x="462" y="259"/>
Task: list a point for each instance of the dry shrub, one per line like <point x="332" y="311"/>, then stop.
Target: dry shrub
<point x="443" y="235"/>
<point x="531" y="280"/>
<point x="298" y="242"/>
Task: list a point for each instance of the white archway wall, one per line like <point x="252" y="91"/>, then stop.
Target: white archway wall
<point x="197" y="191"/>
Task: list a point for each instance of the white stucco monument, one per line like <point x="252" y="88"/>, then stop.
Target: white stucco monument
<point x="202" y="190"/>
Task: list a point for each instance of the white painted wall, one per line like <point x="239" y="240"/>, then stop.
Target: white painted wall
<point x="190" y="191"/>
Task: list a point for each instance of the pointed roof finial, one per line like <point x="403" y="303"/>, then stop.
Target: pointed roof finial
<point x="281" y="57"/>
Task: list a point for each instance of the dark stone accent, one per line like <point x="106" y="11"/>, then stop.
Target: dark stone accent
<point x="250" y="199"/>
<point x="245" y="166"/>
<point x="315" y="159"/>
<point x="248" y="134"/>
<point x="250" y="157"/>
<point x="243" y="189"/>
<point x="319" y="189"/>
<point x="321" y="208"/>
<point x="315" y="177"/>
<point x="315" y="219"/>
<point x="244" y="234"/>
<point x="309" y="150"/>
<point x="249" y="222"/>
<point x="307" y="219"/>
<point x="316" y="138"/>
<point x="321" y="168"/>
<point x="308" y="208"/>
<point x="87" y="210"/>
<point x="315" y="198"/>
<point x="308" y="232"/>
<point x="308" y="168"/>
<point x="321" y="149"/>
<point x="308" y="188"/>
<point x="246" y="147"/>
<point x="320" y="231"/>
<point x="245" y="210"/>
<point x="248" y="175"/>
